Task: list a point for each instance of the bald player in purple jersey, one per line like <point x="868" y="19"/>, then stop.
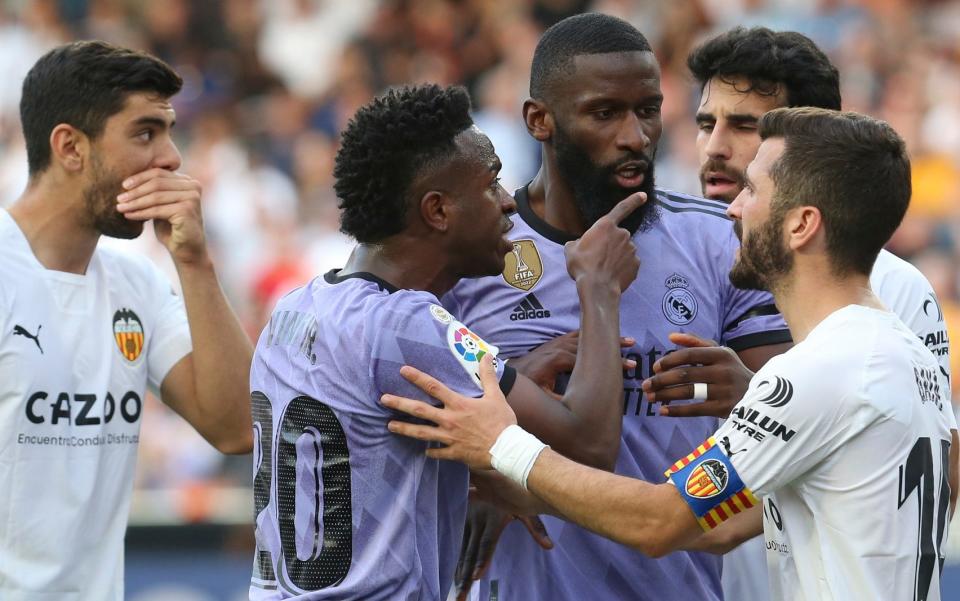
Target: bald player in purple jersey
<point x="595" y="107"/>
<point x="344" y="509"/>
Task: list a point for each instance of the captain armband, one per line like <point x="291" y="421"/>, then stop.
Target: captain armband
<point x="710" y="485"/>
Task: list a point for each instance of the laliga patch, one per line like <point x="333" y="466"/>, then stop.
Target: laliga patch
<point x="523" y="267"/>
<point x="128" y="334"/>
<point x="710" y="485"/>
<point x="440" y="314"/>
<point x="469" y="348"/>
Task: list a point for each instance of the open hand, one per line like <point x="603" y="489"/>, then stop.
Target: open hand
<point x="702" y="361"/>
<point x="467" y="426"/>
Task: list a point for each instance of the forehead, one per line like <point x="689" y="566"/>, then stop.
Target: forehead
<point x="726" y="96"/>
<point x="139" y="105"/>
<point x="476" y="148"/>
<point x="615" y="74"/>
<point x="770" y="150"/>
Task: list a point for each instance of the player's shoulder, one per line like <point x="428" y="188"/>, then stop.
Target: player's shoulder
<point x="897" y="281"/>
<point x="677" y="206"/>
<point x="371" y="299"/>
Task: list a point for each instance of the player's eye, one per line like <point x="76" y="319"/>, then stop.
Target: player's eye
<point x="706" y="126"/>
<point x="603" y="114"/>
<point x="496" y="183"/>
<point x="145" y="135"/>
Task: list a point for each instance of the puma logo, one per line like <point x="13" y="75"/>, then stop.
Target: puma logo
<point x="22" y="331"/>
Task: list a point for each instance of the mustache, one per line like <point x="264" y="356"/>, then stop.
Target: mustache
<point x="721" y="167"/>
<point x="630" y="157"/>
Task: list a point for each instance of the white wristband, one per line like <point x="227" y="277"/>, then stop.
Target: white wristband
<point x="514" y="453"/>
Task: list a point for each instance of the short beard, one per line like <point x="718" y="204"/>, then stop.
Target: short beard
<point x="764" y="258"/>
<point x="595" y="190"/>
<point x="100" y="199"/>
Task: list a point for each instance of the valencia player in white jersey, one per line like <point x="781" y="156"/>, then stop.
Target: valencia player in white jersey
<point x="85" y="330"/>
<point x="742" y="74"/>
<point x="846" y="438"/>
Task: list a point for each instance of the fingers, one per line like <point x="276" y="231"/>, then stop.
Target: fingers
<point x="626" y="206"/>
<point x="138" y="179"/>
<point x="430" y="385"/>
<point x="706" y="408"/>
<point x="627" y="341"/>
<point x="413" y="407"/>
<point x="684" y="339"/>
<point x="537" y="529"/>
<point x="676" y="378"/>
<point x="421" y="432"/>
<point x="711" y="355"/>
<point x="488" y="375"/>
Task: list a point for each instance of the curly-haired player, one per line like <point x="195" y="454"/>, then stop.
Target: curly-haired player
<point x="345" y="509"/>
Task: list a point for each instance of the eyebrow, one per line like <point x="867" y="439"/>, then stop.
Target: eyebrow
<point x="495" y="165"/>
<point x="734" y="118"/>
<point x="155" y="121"/>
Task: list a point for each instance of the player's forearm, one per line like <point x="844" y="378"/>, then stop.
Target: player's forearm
<point x="730" y="534"/>
<point x="222" y="354"/>
<point x="650" y="518"/>
<point x="595" y="391"/>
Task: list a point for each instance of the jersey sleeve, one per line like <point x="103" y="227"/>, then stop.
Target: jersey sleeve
<point x="170" y="341"/>
<point x="751" y="319"/>
<point x="424" y="335"/>
<point x="790" y="420"/>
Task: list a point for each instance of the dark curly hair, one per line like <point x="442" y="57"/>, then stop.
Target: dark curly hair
<point x="83" y="84"/>
<point x="590" y="33"/>
<point x="768" y="59"/>
<point x="386" y="145"/>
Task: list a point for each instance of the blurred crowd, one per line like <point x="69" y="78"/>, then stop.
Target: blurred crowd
<point x="269" y="84"/>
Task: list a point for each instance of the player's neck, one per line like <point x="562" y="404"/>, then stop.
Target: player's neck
<point x="551" y="199"/>
<point x="810" y="295"/>
<point x="401" y="265"/>
<point x="55" y="225"/>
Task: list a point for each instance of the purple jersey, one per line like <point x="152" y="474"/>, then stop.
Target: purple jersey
<point x="344" y="508"/>
<point x="682" y="286"/>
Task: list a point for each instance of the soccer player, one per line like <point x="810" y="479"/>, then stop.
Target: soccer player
<point x="86" y="329"/>
<point x="595" y="109"/>
<point x="742" y="74"/>
<point x="845" y="437"/>
<point x="344" y="509"/>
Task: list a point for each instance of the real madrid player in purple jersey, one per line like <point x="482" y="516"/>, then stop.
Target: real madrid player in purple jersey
<point x="845" y="438"/>
<point x="344" y="509"/>
<point x="595" y="108"/>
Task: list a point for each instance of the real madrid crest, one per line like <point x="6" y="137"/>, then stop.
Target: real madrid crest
<point x="523" y="266"/>
<point x="679" y="304"/>
<point x="128" y="333"/>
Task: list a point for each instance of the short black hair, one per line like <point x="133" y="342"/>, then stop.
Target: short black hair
<point x="852" y="167"/>
<point x="83" y="84"/>
<point x="385" y="146"/>
<point x="769" y="59"/>
<point x="589" y="33"/>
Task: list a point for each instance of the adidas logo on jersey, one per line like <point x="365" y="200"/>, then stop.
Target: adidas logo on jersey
<point x="529" y="308"/>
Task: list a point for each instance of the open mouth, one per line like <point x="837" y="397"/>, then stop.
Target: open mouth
<point x="630" y="175"/>
<point x="719" y="185"/>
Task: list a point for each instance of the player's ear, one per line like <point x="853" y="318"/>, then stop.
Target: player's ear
<point x="804" y="226"/>
<point x="69" y="147"/>
<point x="436" y="210"/>
<point x="538" y="118"/>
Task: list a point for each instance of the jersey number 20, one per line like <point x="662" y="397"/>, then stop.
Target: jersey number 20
<point x="313" y="428"/>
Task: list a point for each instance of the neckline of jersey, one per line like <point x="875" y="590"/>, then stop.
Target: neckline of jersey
<point x="21" y="239"/>
<point x="521" y="197"/>
<point x="333" y="277"/>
